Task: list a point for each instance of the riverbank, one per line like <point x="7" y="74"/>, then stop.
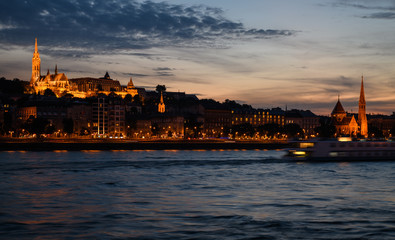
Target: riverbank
<point x="106" y="145"/>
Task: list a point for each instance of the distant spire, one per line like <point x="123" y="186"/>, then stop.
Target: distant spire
<point x="48" y="72"/>
<point x="107" y="76"/>
<point x="362" y="120"/>
<point x="362" y="93"/>
<point x="56" y="69"/>
<point x="161" y="105"/>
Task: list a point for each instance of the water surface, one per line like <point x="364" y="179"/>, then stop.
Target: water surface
<point x="192" y="195"/>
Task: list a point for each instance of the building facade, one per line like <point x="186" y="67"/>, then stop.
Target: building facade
<point x="347" y="125"/>
<point x="78" y="87"/>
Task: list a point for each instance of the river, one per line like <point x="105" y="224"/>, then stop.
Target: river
<point x="230" y="194"/>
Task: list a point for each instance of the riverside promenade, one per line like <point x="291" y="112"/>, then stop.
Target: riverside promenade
<point x="14" y="144"/>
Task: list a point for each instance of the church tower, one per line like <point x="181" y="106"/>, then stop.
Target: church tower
<point x="362" y="120"/>
<point x="338" y="113"/>
<point x="161" y="105"/>
<point x="36" y="65"/>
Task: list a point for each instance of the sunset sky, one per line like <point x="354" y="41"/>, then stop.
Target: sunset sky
<point x="302" y="54"/>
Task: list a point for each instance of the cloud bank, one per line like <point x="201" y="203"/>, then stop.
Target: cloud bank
<point x="116" y="25"/>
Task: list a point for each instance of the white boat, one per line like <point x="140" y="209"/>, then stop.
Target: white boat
<point x="343" y="149"/>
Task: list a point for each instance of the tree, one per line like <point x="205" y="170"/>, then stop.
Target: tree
<point x="36" y="125"/>
<point x="128" y="98"/>
<point x="270" y="129"/>
<point x="49" y="129"/>
<point x="392" y="131"/>
<point x="67" y="95"/>
<point x="326" y="130"/>
<point x="137" y="99"/>
<point x="84" y="131"/>
<point x="244" y="129"/>
<point x="160" y="88"/>
<point x="155" y="129"/>
<point x="49" y="92"/>
<point x="12" y="86"/>
<point x="293" y="130"/>
<point x="375" y="132"/>
<point x="68" y="125"/>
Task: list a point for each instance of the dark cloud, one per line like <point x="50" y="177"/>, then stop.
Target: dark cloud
<point x="387" y="5"/>
<point x="386" y="8"/>
<point x="135" y="75"/>
<point x="164" y="71"/>
<point x="381" y="15"/>
<point x="101" y="25"/>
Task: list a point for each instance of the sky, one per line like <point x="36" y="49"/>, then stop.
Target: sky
<point x="267" y="53"/>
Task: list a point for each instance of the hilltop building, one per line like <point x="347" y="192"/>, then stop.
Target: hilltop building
<point x="78" y="87"/>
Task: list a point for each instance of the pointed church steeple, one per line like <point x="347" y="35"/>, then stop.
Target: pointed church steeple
<point x="36" y="65"/>
<point x="362" y="120"/>
<point x="338" y="112"/>
<point x="362" y="93"/>
<point x="130" y="84"/>
<point x="338" y="109"/>
<point x="56" y="69"/>
<point x="161" y="105"/>
<point x="35" y="47"/>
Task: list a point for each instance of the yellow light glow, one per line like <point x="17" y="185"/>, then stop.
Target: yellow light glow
<point x="306" y="144"/>
<point x="344" y="139"/>
<point x="300" y="153"/>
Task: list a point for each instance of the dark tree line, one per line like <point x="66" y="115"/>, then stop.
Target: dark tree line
<point x="15" y="86"/>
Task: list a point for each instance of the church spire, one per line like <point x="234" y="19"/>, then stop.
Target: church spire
<point x="362" y="93"/>
<point x="56" y="69"/>
<point x="161" y="105"/>
<point x="362" y="120"/>
<point x="35" y="47"/>
<point x="36" y="65"/>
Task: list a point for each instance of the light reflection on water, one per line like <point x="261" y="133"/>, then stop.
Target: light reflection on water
<point x="220" y="194"/>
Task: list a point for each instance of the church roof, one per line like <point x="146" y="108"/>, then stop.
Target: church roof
<point x="338" y="108"/>
<point x="344" y="121"/>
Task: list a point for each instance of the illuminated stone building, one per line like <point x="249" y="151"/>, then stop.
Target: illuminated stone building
<point x="258" y="117"/>
<point x="345" y="125"/>
<point x="36" y="65"/>
<point x="57" y="82"/>
<point x="383" y="123"/>
<point x="307" y="120"/>
<point x="161" y="104"/>
<point x="131" y="89"/>
<point x="78" y="87"/>
<point x="52" y="109"/>
<point x="216" y="121"/>
<point x="81" y="114"/>
<point x="108" y="117"/>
